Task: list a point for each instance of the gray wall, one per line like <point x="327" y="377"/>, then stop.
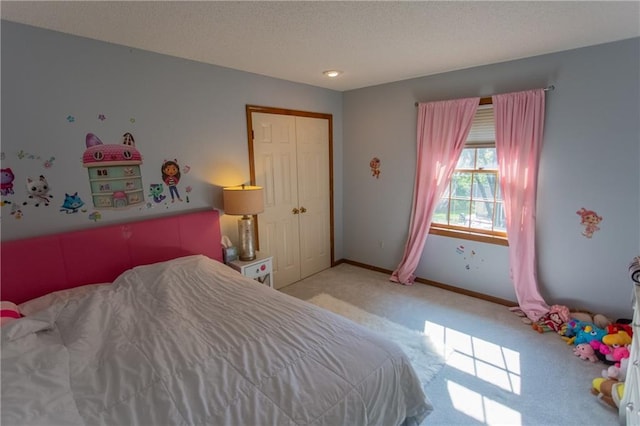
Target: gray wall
<point x="182" y="109"/>
<point x="589" y="159"/>
<point x="195" y="112"/>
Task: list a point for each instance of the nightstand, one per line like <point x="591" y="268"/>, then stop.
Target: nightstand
<point x="260" y="269"/>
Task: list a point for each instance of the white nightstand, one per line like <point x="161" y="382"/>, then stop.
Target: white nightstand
<point x="260" y="269"/>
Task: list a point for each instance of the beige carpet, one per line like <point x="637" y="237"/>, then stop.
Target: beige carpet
<point x="426" y="359"/>
<point x="499" y="372"/>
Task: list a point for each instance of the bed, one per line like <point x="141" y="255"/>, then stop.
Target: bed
<point x="141" y="324"/>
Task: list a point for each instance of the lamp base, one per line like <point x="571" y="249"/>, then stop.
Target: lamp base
<point x="246" y="232"/>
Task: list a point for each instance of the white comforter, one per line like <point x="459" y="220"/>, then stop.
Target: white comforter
<point x="191" y="342"/>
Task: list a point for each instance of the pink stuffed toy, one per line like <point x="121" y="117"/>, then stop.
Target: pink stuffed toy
<point x="585" y="351"/>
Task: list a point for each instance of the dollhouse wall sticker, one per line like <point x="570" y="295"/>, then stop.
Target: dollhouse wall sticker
<point x="114" y="172"/>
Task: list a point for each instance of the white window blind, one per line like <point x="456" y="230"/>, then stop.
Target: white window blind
<point x="483" y="128"/>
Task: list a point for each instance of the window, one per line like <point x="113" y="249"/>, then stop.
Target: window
<point x="472" y="207"/>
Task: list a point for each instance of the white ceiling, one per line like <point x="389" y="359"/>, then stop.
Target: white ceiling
<point x="371" y="42"/>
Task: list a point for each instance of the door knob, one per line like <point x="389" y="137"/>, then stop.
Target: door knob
<point x="295" y="210"/>
<point x="303" y="210"/>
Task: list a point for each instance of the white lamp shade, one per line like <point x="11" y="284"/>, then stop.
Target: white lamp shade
<point x="243" y="200"/>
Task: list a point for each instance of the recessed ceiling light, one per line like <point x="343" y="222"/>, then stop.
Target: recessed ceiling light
<point x="332" y="73"/>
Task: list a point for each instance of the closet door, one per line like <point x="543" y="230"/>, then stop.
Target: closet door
<point x="275" y="165"/>
<point x="313" y="194"/>
<point x="291" y="159"/>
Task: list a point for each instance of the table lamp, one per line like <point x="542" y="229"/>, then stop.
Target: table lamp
<point x="246" y="201"/>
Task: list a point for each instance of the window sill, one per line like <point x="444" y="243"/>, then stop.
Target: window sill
<point x="467" y="235"/>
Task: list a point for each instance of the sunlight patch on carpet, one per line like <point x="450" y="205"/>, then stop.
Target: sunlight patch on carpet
<point x="481" y="408"/>
<point x="426" y="359"/>
<point x="485" y="360"/>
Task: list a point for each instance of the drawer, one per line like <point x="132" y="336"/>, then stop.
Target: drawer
<point x="258" y="269"/>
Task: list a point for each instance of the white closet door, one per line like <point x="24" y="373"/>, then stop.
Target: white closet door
<point x="312" y="137"/>
<point x="274" y="154"/>
<point x="291" y="161"/>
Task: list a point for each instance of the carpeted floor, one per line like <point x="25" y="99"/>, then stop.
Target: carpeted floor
<point x="498" y="370"/>
<point x="426" y="358"/>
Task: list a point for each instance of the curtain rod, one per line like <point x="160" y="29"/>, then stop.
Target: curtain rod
<point x="487" y="100"/>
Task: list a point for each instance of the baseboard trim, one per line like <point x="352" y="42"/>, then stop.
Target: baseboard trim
<point x="447" y="287"/>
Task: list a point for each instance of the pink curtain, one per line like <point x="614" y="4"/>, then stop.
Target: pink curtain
<point x="442" y="131"/>
<point x="519" y="124"/>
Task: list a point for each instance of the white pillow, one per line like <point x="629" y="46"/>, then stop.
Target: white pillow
<point x="39" y="303"/>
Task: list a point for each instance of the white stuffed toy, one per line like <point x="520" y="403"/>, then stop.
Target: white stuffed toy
<point x="617" y="373"/>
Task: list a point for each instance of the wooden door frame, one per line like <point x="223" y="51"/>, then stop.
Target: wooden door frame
<point x="252" y="170"/>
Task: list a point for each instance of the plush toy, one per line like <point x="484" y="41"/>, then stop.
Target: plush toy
<point x="589" y="333"/>
<point x="621" y="338"/>
<point x="608" y="390"/>
<point x="599" y="320"/>
<point x="618" y="373"/>
<point x="585" y="351"/>
<point x="616" y="327"/>
<point x="610" y="355"/>
<point x="569" y="331"/>
<point x="552" y="320"/>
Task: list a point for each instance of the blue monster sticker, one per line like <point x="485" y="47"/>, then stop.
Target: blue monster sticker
<point x="71" y="203"/>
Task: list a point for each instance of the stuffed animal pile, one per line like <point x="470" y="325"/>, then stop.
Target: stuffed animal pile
<point x="595" y="338"/>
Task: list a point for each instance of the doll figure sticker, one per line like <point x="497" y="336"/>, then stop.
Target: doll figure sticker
<point x="590" y="220"/>
<point x="171" y="177"/>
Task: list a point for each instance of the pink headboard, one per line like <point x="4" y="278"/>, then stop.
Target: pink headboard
<point x="36" y="266"/>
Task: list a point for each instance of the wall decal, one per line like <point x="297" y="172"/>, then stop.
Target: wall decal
<point x="95" y="216"/>
<point x="6" y="181"/>
<point x="114" y="173"/>
<point x="127" y="139"/>
<point x="470" y="260"/>
<point x="156" y="192"/>
<point x="38" y="190"/>
<point x="188" y="191"/>
<point x="375" y="167"/>
<point x="71" y="203"/>
<point x="16" y="212"/>
<point x="132" y="120"/>
<point x="102" y="117"/>
<point x="71" y="118"/>
<point x="22" y="155"/>
<point x="171" y="176"/>
<point x="590" y="220"/>
<point x="49" y="163"/>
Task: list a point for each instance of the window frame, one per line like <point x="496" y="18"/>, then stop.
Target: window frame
<point x="468" y="233"/>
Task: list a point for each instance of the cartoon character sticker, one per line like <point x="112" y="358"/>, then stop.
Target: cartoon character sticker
<point x="6" y="181"/>
<point x="127" y="139"/>
<point x="95" y="216"/>
<point x="38" y="191"/>
<point x="71" y="203"/>
<point x="16" y="212"/>
<point x="171" y="177"/>
<point x="590" y="220"/>
<point x="156" y="192"/>
<point x="375" y="167"/>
